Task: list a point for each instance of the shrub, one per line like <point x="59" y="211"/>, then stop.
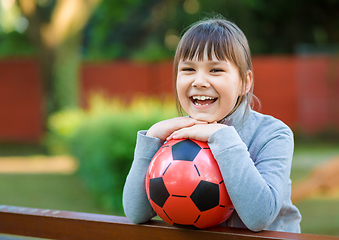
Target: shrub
<point x="103" y="140"/>
<point x="61" y="126"/>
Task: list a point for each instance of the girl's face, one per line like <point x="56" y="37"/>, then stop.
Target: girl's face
<point x="208" y="90"/>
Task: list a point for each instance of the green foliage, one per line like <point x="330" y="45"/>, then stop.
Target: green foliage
<point x="15" y="44"/>
<point x="150" y="53"/>
<point x="61" y="126"/>
<point x="270" y="26"/>
<point x="103" y="140"/>
<point x="128" y="29"/>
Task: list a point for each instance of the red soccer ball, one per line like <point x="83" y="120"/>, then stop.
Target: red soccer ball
<point x="185" y="187"/>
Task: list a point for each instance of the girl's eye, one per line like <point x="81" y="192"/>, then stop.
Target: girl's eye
<point x="188" y="69"/>
<point x="216" y="70"/>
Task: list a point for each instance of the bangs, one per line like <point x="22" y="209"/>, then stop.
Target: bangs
<point x="212" y="38"/>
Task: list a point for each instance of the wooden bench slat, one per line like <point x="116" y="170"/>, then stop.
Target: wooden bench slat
<point x="54" y="224"/>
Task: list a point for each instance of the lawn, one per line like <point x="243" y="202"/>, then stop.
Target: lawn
<point x="49" y="191"/>
<point x="67" y="192"/>
<point x="320" y="215"/>
<point x="308" y="156"/>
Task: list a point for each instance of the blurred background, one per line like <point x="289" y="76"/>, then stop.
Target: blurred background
<point x="79" y="78"/>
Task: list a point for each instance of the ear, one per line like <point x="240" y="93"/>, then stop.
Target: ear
<point x="249" y="81"/>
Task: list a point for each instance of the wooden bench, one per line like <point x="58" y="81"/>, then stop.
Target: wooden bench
<point x="54" y="224"/>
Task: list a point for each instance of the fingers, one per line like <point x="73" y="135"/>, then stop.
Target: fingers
<point x="182" y="122"/>
<point x="179" y="134"/>
<point x="201" y="132"/>
<point x="191" y="132"/>
<point x="182" y="125"/>
<point x="164" y="129"/>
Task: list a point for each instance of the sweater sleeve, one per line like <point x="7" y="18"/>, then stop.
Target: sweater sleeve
<point x="257" y="186"/>
<point x="136" y="205"/>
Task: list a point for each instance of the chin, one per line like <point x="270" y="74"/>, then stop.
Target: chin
<point x="203" y="118"/>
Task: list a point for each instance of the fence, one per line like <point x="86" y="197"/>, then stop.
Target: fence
<point x="301" y="91"/>
<point x="44" y="223"/>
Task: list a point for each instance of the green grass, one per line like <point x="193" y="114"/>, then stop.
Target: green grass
<point x="53" y="191"/>
<point x="306" y="157"/>
<point x="319" y="216"/>
<point x="46" y="191"/>
<point x="15" y="149"/>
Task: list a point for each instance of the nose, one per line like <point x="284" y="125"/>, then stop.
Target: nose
<point x="200" y="81"/>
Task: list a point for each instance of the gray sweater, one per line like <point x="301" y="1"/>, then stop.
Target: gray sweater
<point x="254" y="154"/>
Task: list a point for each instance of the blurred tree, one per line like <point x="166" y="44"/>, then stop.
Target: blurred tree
<point x="127" y="29"/>
<point x="280" y="26"/>
<point x="150" y="29"/>
<point x="12" y="25"/>
<point x="55" y="28"/>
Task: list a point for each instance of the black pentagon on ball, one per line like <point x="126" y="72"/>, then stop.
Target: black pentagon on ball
<point x="191" y="227"/>
<point x="158" y="191"/>
<point x="206" y="195"/>
<point x="185" y="150"/>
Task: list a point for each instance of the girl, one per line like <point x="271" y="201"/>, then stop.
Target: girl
<point x="214" y="85"/>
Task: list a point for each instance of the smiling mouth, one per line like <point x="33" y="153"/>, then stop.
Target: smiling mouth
<point x="202" y="100"/>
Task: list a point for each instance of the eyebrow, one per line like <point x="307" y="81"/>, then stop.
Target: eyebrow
<point x="217" y="62"/>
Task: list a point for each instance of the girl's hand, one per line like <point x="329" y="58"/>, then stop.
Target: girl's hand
<point x="164" y="129"/>
<point x="200" y="132"/>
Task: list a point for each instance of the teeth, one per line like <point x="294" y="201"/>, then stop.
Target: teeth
<point x="202" y="98"/>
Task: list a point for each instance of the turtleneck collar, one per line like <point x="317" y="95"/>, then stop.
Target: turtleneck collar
<point x="238" y="117"/>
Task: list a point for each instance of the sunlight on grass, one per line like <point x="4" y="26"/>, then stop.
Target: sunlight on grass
<point x="62" y="164"/>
